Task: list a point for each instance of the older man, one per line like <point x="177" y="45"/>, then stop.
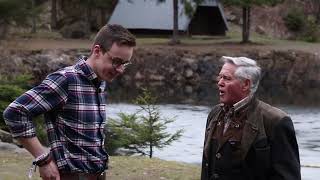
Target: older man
<point x="245" y="138"/>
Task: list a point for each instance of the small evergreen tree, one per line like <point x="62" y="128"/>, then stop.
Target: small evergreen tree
<point x="295" y="19"/>
<point x="142" y="131"/>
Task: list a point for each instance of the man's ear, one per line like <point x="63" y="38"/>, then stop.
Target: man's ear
<point x="246" y="85"/>
<point x="96" y="50"/>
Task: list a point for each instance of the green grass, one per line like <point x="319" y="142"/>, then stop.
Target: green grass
<point x="233" y="35"/>
<point x="26" y="33"/>
<point x="14" y="166"/>
<point x="46" y="40"/>
<point x="124" y="167"/>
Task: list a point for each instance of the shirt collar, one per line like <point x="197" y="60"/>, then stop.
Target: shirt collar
<point x="86" y="69"/>
<point x="237" y="106"/>
<point x="243" y="103"/>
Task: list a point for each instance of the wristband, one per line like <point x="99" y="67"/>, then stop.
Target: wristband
<point x="43" y="159"/>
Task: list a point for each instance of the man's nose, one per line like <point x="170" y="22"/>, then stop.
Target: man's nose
<point x="220" y="82"/>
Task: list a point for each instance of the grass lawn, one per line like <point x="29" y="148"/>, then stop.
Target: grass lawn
<point x="53" y="40"/>
<point x="14" y="166"/>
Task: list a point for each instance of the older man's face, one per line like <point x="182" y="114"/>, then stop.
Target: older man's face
<point x="230" y="88"/>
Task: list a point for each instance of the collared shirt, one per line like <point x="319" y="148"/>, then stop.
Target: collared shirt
<point x="73" y="102"/>
<point x="230" y="111"/>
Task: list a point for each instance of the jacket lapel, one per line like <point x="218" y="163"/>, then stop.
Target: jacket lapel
<point x="251" y="129"/>
<point x="209" y="132"/>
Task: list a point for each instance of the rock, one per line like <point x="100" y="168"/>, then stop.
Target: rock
<point x="5" y="136"/>
<point x="76" y="30"/>
<point x="154" y="77"/>
<point x="188" y="73"/>
<point x="11" y="147"/>
<point x="163" y="64"/>
<point x="189" y="60"/>
<point x="138" y="76"/>
<point x="188" y="89"/>
<point x="7" y="146"/>
<point x="260" y="30"/>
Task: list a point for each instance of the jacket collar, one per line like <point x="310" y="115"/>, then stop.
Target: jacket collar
<point x="251" y="128"/>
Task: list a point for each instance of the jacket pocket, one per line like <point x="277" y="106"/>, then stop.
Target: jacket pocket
<point x="262" y="156"/>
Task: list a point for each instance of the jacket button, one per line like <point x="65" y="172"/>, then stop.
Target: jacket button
<point x="218" y="155"/>
<point x="207" y="164"/>
<point x="216" y="175"/>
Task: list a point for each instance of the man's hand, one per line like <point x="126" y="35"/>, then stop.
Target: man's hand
<point x="49" y="171"/>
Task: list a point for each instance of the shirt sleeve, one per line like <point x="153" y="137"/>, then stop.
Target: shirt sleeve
<point x="51" y="93"/>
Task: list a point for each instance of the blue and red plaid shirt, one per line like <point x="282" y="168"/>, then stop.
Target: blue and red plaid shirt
<point x="73" y="103"/>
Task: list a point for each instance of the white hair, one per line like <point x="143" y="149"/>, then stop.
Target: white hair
<point x="246" y="69"/>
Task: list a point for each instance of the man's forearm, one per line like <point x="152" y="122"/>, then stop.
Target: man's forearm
<point x="33" y="145"/>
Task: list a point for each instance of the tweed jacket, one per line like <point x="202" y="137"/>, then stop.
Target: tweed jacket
<point x="269" y="149"/>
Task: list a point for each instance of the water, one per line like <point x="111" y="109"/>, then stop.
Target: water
<point x="193" y="119"/>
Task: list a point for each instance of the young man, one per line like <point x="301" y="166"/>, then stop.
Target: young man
<point x="247" y="139"/>
<point x="73" y="102"/>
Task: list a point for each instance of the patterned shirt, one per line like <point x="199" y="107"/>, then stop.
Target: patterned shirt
<point x="73" y="103"/>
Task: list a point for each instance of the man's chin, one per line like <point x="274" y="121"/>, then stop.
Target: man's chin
<point x="109" y="80"/>
<point x="221" y="100"/>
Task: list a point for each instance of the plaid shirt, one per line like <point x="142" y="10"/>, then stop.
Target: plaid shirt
<point x="73" y="102"/>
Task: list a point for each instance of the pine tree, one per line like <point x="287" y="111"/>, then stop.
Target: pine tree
<point x="142" y="131"/>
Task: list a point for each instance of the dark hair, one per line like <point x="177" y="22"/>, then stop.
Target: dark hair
<point x="114" y="33"/>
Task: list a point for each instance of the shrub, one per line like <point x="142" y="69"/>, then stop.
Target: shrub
<point x="294" y="20"/>
<point x="8" y="93"/>
<point x="311" y="31"/>
<point x="10" y="89"/>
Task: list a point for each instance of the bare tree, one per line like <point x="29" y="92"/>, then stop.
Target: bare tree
<point x="53" y="14"/>
<point x="246" y="14"/>
<point x="175" y="38"/>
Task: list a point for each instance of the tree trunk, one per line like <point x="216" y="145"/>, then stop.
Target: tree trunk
<point x="87" y="18"/>
<point x="3" y="29"/>
<point x="151" y="151"/>
<point x="53" y="14"/>
<point x="318" y="14"/>
<point x="245" y="24"/>
<point x="102" y="17"/>
<point x="249" y="23"/>
<point x="34" y="21"/>
<point x="175" y="38"/>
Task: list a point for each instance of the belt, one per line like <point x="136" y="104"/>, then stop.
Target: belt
<point x="82" y="176"/>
